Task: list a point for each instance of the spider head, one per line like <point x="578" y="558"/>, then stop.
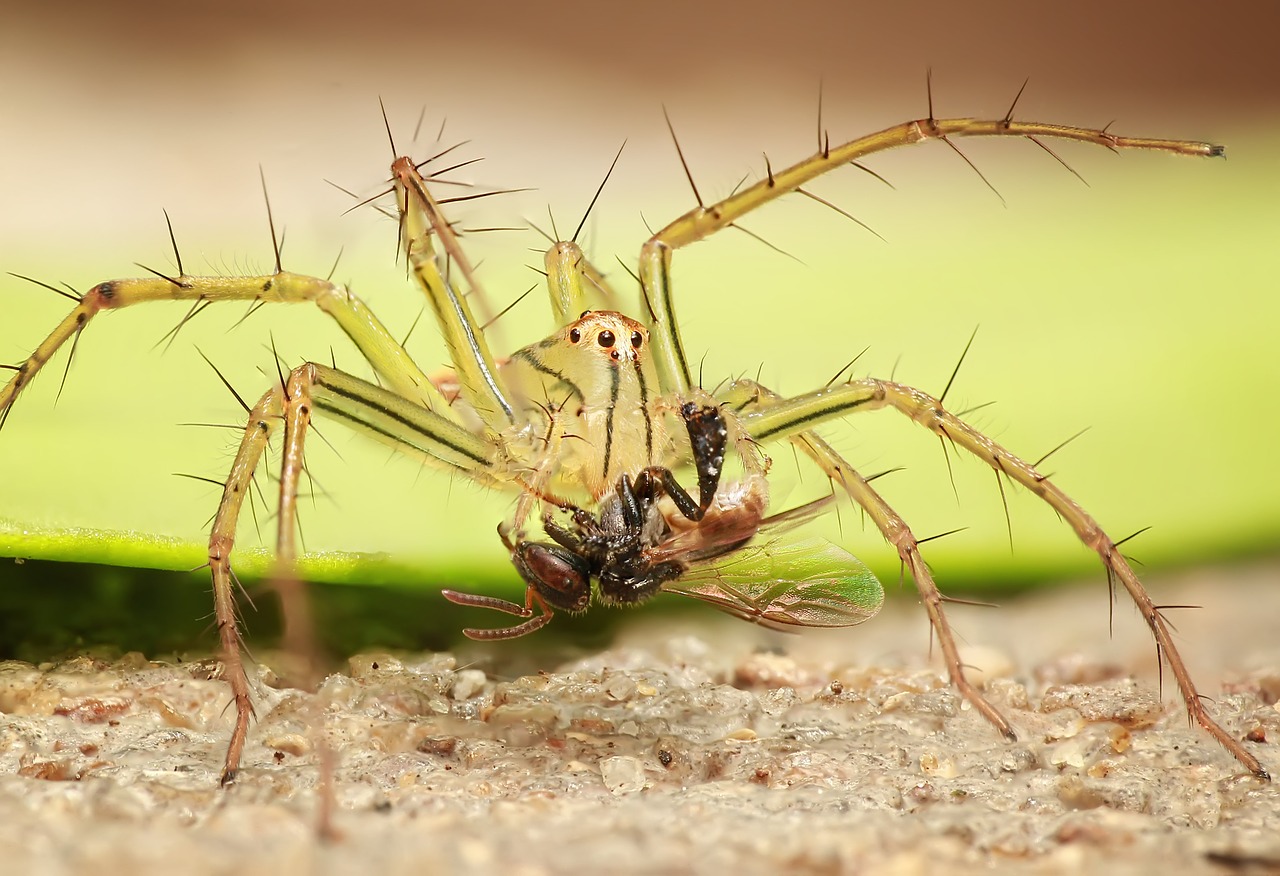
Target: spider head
<point x="606" y="337"/>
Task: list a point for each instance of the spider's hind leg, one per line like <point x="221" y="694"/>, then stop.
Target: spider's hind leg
<point x="748" y="396"/>
<point x="788" y="417"/>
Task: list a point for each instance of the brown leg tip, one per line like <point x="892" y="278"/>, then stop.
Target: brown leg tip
<point x="228" y="777"/>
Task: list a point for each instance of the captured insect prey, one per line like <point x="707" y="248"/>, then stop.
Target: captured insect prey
<point x="595" y="429"/>
<point x="636" y="547"/>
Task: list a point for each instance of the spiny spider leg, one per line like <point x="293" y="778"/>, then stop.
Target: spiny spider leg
<point x="747" y="396"/>
<point x="787" y="417"/>
<point x="422" y="224"/>
<point x="703" y="221"/>
<point x="387" y="357"/>
<point x="377" y="412"/>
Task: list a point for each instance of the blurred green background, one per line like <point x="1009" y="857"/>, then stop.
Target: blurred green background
<point x="1142" y="306"/>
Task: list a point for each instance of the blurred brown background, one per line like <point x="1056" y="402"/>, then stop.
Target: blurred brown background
<point x="217" y="86"/>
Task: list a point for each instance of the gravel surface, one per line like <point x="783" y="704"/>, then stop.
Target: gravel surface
<point x="696" y="745"/>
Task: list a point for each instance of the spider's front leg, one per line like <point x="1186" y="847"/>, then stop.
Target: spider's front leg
<point x="383" y="353"/>
<point x="780" y="418"/>
<point x="308" y="390"/>
<point x="705" y="220"/>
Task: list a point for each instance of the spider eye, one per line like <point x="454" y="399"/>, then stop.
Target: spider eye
<point x="606" y="339"/>
<point x="574" y="336"/>
<point x="636" y="340"/>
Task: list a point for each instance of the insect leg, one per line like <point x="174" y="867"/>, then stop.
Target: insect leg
<point x="796" y="415"/>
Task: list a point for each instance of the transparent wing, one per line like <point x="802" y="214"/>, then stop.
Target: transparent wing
<point x="780" y="585"/>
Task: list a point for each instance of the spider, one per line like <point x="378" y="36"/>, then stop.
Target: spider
<point x="588" y="407"/>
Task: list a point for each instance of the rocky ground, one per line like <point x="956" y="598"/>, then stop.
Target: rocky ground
<point x="701" y="745"/>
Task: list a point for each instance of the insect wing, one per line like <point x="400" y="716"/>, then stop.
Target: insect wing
<point x="780" y="585"/>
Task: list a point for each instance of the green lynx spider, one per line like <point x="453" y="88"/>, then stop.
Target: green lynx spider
<point x="615" y="381"/>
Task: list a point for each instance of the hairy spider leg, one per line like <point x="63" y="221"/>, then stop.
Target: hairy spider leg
<point x="703" y="221"/>
<point x="781" y="418"/>
<point x="748" y="396"/>
<point x="379" y="413"/>
<point x="436" y="257"/>
<point x="386" y="356"/>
